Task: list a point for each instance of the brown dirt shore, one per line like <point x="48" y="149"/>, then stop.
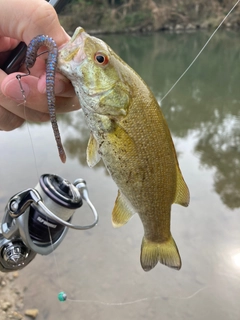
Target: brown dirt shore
<point x="11" y="299"/>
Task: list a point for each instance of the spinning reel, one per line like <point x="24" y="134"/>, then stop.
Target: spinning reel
<point x="37" y="220"/>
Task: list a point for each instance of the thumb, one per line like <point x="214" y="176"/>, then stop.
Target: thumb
<point x="14" y="89"/>
<point x="31" y="18"/>
<point x="7" y="44"/>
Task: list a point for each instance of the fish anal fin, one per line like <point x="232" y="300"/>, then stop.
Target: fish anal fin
<point x="164" y="252"/>
<point x="122" y="211"/>
<point x="182" y="195"/>
<point x="93" y="156"/>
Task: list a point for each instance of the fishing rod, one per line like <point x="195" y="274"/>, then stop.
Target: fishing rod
<point x="17" y="55"/>
<point x="36" y="220"/>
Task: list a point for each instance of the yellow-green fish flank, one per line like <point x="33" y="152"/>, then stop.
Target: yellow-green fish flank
<point x="130" y="134"/>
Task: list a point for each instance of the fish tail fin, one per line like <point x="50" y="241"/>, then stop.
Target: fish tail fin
<point x="164" y="252"/>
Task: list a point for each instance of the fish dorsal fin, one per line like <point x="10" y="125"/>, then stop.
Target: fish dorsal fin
<point x="182" y="195"/>
<point x="122" y="211"/>
<point x="93" y="156"/>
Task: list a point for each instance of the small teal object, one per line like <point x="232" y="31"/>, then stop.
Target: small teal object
<point x="62" y="296"/>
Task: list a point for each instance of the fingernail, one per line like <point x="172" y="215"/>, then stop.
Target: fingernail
<point x="13" y="90"/>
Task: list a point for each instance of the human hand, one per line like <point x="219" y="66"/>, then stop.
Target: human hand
<point x="29" y="19"/>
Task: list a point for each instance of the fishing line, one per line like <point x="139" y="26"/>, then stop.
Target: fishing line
<point x="36" y="167"/>
<point x="183" y="74"/>
<point x="33" y="150"/>
<point x="62" y="296"/>
<point x="54" y="256"/>
<point x="115" y="304"/>
<point x="24" y="103"/>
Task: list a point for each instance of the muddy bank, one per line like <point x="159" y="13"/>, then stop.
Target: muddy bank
<point x="11" y="299"/>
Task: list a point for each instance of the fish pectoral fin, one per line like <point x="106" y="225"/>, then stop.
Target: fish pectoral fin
<point x="182" y="195"/>
<point x="93" y="156"/>
<point x="164" y="252"/>
<point x="122" y="211"/>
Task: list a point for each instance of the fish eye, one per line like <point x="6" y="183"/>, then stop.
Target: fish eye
<point x="101" y="59"/>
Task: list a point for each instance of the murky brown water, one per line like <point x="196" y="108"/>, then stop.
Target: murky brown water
<point x="99" y="269"/>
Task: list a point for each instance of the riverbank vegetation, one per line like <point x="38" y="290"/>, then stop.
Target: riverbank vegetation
<point x="114" y="16"/>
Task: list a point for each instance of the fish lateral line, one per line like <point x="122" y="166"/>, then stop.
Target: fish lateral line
<point x="51" y="66"/>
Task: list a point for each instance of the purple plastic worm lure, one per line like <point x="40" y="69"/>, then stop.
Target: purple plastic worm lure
<point x="31" y="55"/>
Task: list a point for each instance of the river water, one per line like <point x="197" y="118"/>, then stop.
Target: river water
<point x="99" y="269"/>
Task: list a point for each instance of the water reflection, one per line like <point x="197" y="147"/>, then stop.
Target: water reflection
<point x="219" y="147"/>
<point x="236" y="259"/>
<point x="76" y="137"/>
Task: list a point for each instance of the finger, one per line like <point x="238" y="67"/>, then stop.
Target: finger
<point x="34" y="99"/>
<point x="8" y="120"/>
<point x="7" y="43"/>
<point x="19" y="109"/>
<point x="25" y="113"/>
<point x="12" y="90"/>
<point x="13" y="114"/>
<point x="37" y="70"/>
<point x="36" y="17"/>
<point x="63" y="86"/>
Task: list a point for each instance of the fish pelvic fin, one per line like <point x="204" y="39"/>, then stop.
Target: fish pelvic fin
<point x="163" y="252"/>
<point x="122" y="211"/>
<point x="93" y="156"/>
<point x="182" y="195"/>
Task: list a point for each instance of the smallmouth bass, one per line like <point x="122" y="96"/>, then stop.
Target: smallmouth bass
<point x="130" y="134"/>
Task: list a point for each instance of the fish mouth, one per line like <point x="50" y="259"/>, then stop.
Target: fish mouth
<point x="73" y="51"/>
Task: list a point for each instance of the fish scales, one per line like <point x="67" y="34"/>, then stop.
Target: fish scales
<point x="154" y="183"/>
<point x="146" y="159"/>
<point x="130" y="134"/>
